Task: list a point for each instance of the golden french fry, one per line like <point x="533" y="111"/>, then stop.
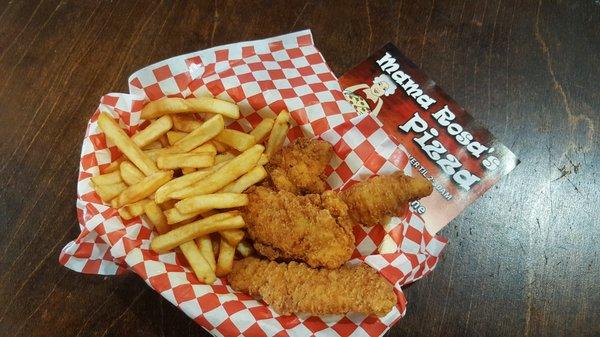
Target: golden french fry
<point x="174" y="136"/>
<point x="205" y="245"/>
<point x="162" y="194"/>
<point x="153" y="146"/>
<point x="221" y="158"/>
<point x="130" y="211"/>
<point x="205" y="148"/>
<point x="233" y="236"/>
<point x="185" y="233"/>
<point x="185" y="123"/>
<point x="219" y="146"/>
<point x="115" y="202"/>
<point x="278" y="133"/>
<point x="232" y="170"/>
<point x="187" y="170"/>
<point x="264" y="159"/>
<point x="109" y="192"/>
<point x="261" y="131"/>
<point x="154" y="153"/>
<point x="113" y="166"/>
<point x="130" y="174"/>
<point x="107" y="179"/>
<point x="178" y="160"/>
<point x="225" y="260"/>
<point x="153" y="132"/>
<point x="145" y="187"/>
<point x="156" y="217"/>
<point x="245" y="248"/>
<point x="199" y="104"/>
<point x="211" y="201"/>
<point x="236" y="139"/>
<point x="175" y="216"/>
<point x="115" y="134"/>
<point x="199" y="265"/>
<point x="252" y="177"/>
<point x="209" y="129"/>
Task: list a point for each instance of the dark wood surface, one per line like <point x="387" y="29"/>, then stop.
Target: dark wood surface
<point x="522" y="260"/>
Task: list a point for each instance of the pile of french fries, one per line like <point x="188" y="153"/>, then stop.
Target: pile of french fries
<point x="185" y="175"/>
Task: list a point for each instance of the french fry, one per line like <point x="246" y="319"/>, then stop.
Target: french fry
<point x="154" y="153"/>
<point x="174" y="136"/>
<point x="245" y="248"/>
<point x="233" y="236"/>
<point x="199" y="265"/>
<point x="199" y="104"/>
<point x="115" y="203"/>
<point x="187" y="170"/>
<point x="205" y="148"/>
<point x="225" y="260"/>
<point x="205" y="245"/>
<point x="209" y="129"/>
<point x="107" y="179"/>
<point x="144" y="188"/>
<point x="264" y="159"/>
<point x="153" y="146"/>
<point x="115" y="134"/>
<point x="242" y="183"/>
<point x="113" y="166"/>
<point x="109" y="192"/>
<point x="164" y="141"/>
<point x="130" y="174"/>
<point x="220" y="146"/>
<point x="162" y="194"/>
<point x="278" y="133"/>
<point x="156" y="217"/>
<point x="232" y="170"/>
<point x="178" y="160"/>
<point x="153" y="131"/>
<point x="236" y="139"/>
<point x="221" y="158"/>
<point x="130" y="211"/>
<point x="174" y="216"/>
<point x="185" y="123"/>
<point x="261" y="131"/>
<point x="211" y="201"/>
<point x="218" y="222"/>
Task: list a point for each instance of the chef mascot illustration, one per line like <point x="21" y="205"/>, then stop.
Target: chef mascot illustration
<point x="368" y="99"/>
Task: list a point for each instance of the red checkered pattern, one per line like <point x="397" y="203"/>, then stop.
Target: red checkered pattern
<point x="263" y="77"/>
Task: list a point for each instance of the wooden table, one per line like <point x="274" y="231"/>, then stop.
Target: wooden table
<point x="522" y="260"/>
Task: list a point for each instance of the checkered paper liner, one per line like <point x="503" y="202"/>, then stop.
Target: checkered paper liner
<point x="262" y="77"/>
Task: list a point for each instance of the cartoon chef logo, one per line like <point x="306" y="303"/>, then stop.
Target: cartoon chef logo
<point x="368" y="99"/>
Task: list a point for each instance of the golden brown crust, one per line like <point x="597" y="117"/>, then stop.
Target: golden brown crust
<point x="372" y="200"/>
<point x="298" y="168"/>
<point x="311" y="228"/>
<point x="297" y="288"/>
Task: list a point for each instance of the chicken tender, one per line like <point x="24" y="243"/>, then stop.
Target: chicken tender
<point x="298" y="168"/>
<point x="296" y="288"/>
<point x="372" y="200"/>
<point x="313" y="228"/>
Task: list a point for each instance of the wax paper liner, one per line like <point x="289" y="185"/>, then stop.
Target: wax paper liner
<point x="263" y="77"/>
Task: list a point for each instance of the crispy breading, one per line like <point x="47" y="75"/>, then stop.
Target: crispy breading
<point x="298" y="168"/>
<point x="372" y="200"/>
<point x="313" y="228"/>
<point x="296" y="288"/>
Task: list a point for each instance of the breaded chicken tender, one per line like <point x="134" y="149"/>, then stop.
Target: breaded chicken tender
<point x="298" y="168"/>
<point x="296" y="288"/>
<point x="313" y="228"/>
<point x="374" y="199"/>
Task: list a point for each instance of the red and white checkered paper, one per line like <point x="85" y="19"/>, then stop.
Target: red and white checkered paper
<point x="262" y="77"/>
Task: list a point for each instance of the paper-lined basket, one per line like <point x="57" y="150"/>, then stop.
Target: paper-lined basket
<point x="262" y="77"/>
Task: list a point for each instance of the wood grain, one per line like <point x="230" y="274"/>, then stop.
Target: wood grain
<point x="522" y="260"/>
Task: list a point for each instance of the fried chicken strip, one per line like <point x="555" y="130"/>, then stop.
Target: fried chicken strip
<point x="313" y="228"/>
<point x="298" y="168"/>
<point x="374" y="199"/>
<point x="296" y="288"/>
